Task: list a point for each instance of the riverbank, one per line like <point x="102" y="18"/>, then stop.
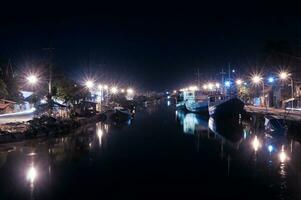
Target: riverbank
<point x="290" y="115"/>
<point x="44" y="126"/>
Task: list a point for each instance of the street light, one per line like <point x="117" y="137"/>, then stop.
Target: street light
<point x="227" y="83"/>
<point x="271" y="79"/>
<point x="217" y="85"/>
<point x="130" y="91"/>
<point x="257" y="79"/>
<point x="114" y="90"/>
<point x="283" y="75"/>
<point x="32" y="79"/>
<point x="210" y="86"/>
<point x="238" y="82"/>
<point x="89" y="84"/>
<point x="100" y="87"/>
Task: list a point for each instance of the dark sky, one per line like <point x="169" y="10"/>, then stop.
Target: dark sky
<point x="155" y="47"/>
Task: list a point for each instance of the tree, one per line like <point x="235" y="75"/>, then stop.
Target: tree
<point x="9" y="79"/>
<point x="3" y="89"/>
<point x="68" y="90"/>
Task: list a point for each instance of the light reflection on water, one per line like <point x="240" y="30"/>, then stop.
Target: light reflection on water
<point x="43" y="162"/>
<point x="34" y="160"/>
<point x="268" y="151"/>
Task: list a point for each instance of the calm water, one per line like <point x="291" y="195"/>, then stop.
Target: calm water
<point x="161" y="154"/>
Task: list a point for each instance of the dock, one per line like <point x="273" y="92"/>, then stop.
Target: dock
<point x="291" y="115"/>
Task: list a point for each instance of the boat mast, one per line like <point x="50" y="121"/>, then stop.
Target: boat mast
<point x="223" y="79"/>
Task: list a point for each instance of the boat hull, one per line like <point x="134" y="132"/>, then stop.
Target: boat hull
<point x="227" y="109"/>
<point x="180" y="105"/>
<point x="197" y="107"/>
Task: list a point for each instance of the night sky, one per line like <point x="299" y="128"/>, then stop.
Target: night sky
<point x="152" y="47"/>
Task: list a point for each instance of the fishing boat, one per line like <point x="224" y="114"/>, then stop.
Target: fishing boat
<point x="180" y="103"/>
<point x="192" y="101"/>
<point x="197" y="105"/>
<point x="225" y="107"/>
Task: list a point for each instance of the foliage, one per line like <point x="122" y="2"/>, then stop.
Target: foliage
<point x="3" y="89"/>
<point x="68" y="90"/>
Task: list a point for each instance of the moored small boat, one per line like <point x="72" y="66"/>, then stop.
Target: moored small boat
<point x="197" y="107"/>
<point x="225" y="107"/>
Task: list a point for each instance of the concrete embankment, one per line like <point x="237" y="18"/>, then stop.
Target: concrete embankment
<point x="290" y="115"/>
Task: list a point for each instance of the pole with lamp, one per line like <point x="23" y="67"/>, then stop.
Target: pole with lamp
<point x="283" y="75"/>
<point x="257" y="79"/>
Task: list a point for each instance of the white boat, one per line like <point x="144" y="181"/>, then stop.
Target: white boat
<point x="193" y="101"/>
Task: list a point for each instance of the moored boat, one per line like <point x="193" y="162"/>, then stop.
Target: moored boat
<point x="225" y="107"/>
<point x="192" y="101"/>
<point x="197" y="107"/>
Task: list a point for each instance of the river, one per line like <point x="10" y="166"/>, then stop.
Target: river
<point x="162" y="153"/>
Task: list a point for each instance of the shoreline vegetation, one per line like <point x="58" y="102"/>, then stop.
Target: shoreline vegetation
<point x="48" y="126"/>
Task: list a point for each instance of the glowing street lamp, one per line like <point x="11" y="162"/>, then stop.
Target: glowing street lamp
<point x="283" y="75"/>
<point x="256" y="79"/>
<point x="105" y="87"/>
<point x="130" y="91"/>
<point x="227" y="83"/>
<point x="100" y="87"/>
<point x="217" y="85"/>
<point x="210" y="86"/>
<point x="89" y="84"/>
<point x="32" y="79"/>
<point x="238" y="82"/>
<point x="271" y="79"/>
<point x="114" y="90"/>
<point x="205" y="87"/>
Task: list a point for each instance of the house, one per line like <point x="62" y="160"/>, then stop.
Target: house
<point x="6" y="106"/>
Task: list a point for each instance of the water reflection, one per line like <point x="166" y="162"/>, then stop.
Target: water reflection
<point x="192" y="122"/>
<point x="256" y="143"/>
<point x="101" y="130"/>
<point x="31" y="174"/>
<point x="270" y="151"/>
<point x="33" y="163"/>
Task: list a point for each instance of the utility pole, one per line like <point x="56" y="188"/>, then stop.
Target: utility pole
<point x="50" y="51"/>
<point x="229" y="71"/>
<point x="49" y="96"/>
